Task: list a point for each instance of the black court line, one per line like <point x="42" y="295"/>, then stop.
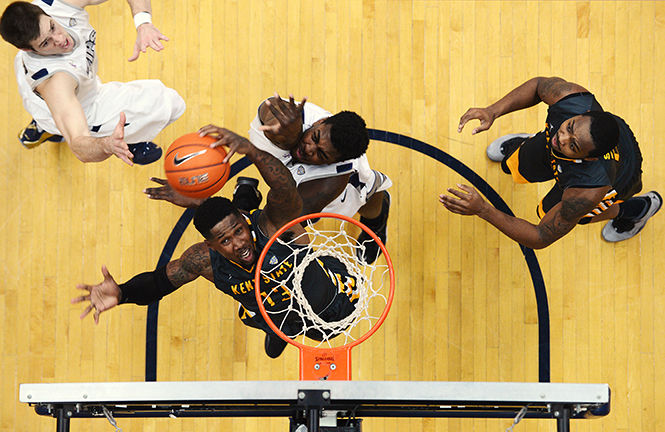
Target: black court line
<point x="428" y="150"/>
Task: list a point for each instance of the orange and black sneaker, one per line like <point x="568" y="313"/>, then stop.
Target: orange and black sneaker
<point x="32" y="136"/>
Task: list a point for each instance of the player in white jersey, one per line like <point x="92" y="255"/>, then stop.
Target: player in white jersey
<point x="348" y="167"/>
<point x="326" y="156"/>
<point x="56" y="71"/>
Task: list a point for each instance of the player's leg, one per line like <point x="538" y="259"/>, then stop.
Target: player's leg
<point x="527" y="160"/>
<point x="272" y="344"/>
<point x="374" y="214"/>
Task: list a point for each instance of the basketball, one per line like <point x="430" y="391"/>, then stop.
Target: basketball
<point x="193" y="168"/>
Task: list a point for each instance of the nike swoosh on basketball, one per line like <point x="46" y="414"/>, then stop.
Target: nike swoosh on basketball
<point x="177" y="161"/>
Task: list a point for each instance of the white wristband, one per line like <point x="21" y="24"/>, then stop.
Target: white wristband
<point x="142" y="18"/>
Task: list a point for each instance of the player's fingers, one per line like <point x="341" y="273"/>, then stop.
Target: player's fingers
<point x="156" y="193"/>
<point x="160" y="181"/>
<point x="301" y="107"/>
<point x="228" y="155"/>
<point x="86" y="311"/>
<point x="457" y="193"/>
<point x="84" y="287"/>
<point x="80" y="299"/>
<point x="135" y="54"/>
<point x="122" y="119"/>
<point x="277" y="111"/>
<point x="452" y="204"/>
<point x="219" y="142"/>
<point x="156" y="45"/>
<point x="126" y="159"/>
<point x="210" y="129"/>
<point x="268" y="128"/>
<point x="465" y="188"/>
<point x="484" y="125"/>
<point x="163" y="37"/>
<point x="105" y="272"/>
<point x="96" y="316"/>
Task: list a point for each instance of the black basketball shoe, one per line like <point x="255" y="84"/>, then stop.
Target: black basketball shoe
<point x="380" y="226"/>
<point x="145" y="152"/>
<point x="246" y="195"/>
<point x="274" y="345"/>
<point x="31" y="136"/>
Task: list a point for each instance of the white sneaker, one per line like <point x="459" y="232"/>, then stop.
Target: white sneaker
<point x="501" y="146"/>
<point x="615" y="231"/>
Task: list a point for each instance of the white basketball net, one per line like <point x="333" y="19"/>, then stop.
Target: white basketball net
<point x="370" y="292"/>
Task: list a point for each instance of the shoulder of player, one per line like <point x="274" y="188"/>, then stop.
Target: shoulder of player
<point x="552" y="90"/>
<point x="57" y="84"/>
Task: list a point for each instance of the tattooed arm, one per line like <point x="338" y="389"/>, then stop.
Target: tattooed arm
<point x="283" y="203"/>
<point x="148" y="287"/>
<point x="560" y="220"/>
<point x="194" y="262"/>
<point x="535" y="90"/>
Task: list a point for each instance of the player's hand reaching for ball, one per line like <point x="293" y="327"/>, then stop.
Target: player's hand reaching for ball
<point x="115" y="144"/>
<point x="485" y="115"/>
<point x="235" y="142"/>
<point x="165" y="192"/>
<point x="287" y="128"/>
<point x="102" y="297"/>
<point x="465" y="201"/>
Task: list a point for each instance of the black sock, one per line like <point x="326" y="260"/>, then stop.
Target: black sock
<point x="634" y="208"/>
<point x="378" y="221"/>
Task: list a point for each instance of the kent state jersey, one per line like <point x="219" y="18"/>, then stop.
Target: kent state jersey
<point x="322" y="282"/>
<point x="81" y="63"/>
<point x="618" y="168"/>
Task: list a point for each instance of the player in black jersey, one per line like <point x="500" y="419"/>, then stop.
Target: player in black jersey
<point x="228" y="255"/>
<point x="591" y="154"/>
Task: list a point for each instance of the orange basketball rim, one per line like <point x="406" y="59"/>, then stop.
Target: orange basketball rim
<point x="327" y="363"/>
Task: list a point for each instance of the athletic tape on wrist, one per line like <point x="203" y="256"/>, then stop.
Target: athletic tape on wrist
<point x="142" y="18"/>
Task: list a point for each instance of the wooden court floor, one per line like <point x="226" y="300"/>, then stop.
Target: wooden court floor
<point x="464" y="309"/>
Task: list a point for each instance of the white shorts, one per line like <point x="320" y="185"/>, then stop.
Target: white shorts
<point x="354" y="197"/>
<point x="149" y="106"/>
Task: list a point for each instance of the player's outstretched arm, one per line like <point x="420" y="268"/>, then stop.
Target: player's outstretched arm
<point x="283" y="203"/>
<point x="148" y="287"/>
<point x="535" y="90"/>
<point x="282" y="121"/>
<point x="147" y="35"/>
<point x="59" y="93"/>
<point x="559" y="221"/>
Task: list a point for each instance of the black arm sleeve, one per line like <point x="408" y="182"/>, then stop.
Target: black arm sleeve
<point x="146" y="288"/>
